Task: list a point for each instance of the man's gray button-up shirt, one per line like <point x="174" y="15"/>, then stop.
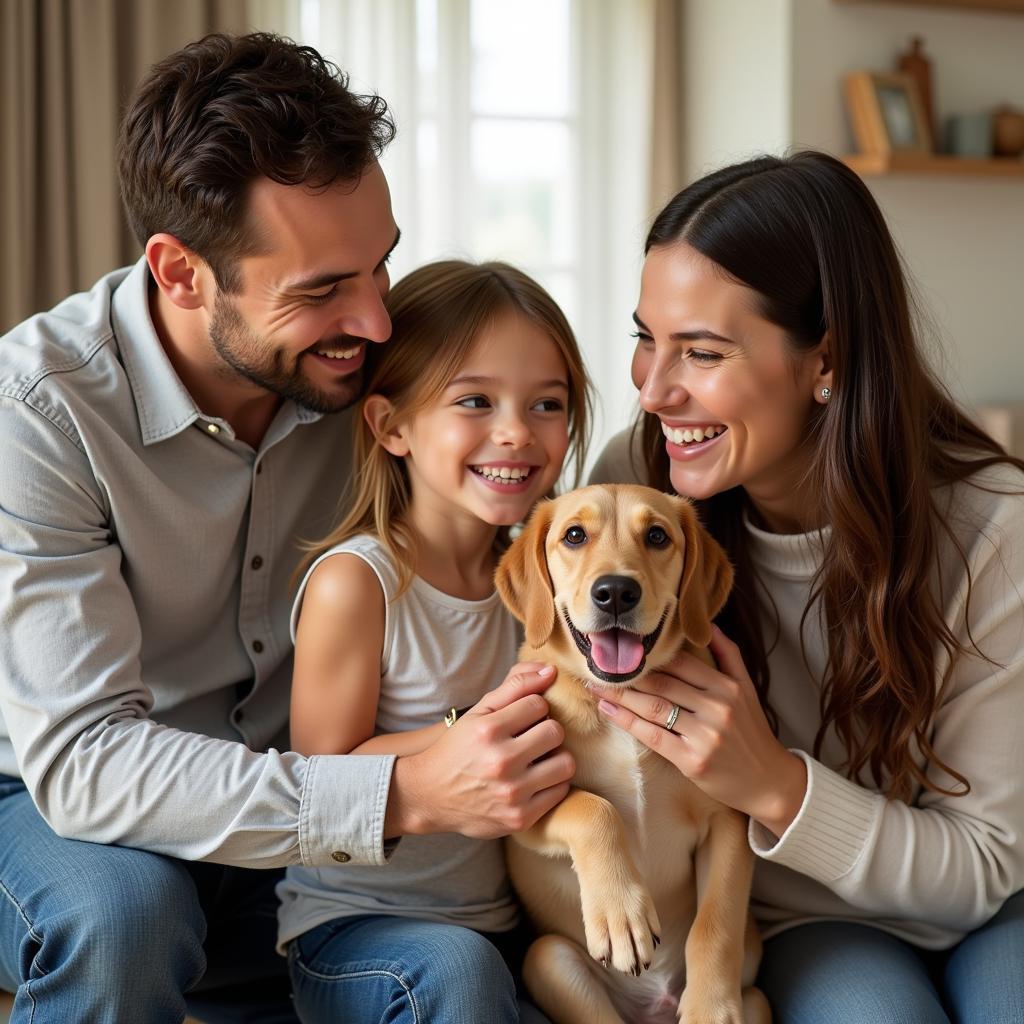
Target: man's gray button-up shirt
<point x="145" y="563"/>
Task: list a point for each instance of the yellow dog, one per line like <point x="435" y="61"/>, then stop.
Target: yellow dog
<point x="636" y="870"/>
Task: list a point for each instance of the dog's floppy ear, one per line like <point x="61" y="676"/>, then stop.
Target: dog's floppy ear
<point x="523" y="580"/>
<point x="705" y="581"/>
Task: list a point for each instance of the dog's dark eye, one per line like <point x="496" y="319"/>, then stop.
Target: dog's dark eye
<point x="575" y="536"/>
<point x="657" y="537"/>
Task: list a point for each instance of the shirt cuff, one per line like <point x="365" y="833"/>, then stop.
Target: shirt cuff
<point x="831" y="830"/>
<point x="341" y="814"/>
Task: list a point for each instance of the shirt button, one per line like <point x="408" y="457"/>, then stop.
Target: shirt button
<point x="259" y="468"/>
<point x="257" y="646"/>
<point x="340" y="856"/>
<point x="213" y="428"/>
<point x="257" y="562"/>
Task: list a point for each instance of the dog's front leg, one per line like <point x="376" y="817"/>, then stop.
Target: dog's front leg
<point x="718" y="962"/>
<point x="619" y="918"/>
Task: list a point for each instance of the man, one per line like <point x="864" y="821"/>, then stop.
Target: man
<point x="168" y="437"/>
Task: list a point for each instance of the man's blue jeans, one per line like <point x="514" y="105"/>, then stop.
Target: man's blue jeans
<point x="838" y="973"/>
<point x="109" y="935"/>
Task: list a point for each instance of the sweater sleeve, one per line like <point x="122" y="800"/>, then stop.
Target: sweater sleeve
<point x="944" y="860"/>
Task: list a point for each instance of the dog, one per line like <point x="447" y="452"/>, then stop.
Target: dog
<point x="636" y="869"/>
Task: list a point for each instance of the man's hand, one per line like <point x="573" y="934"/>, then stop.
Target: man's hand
<point x="489" y="774"/>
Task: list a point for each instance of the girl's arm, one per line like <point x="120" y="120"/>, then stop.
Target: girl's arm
<point x="412" y="742"/>
<point x="338" y="644"/>
<point x="336" y="683"/>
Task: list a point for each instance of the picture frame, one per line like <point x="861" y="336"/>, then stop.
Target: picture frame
<point x="886" y="113"/>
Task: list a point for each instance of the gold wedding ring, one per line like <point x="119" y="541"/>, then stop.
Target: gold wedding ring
<point x="672" y="716"/>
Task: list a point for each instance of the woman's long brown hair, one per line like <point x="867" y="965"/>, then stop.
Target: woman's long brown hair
<point x="806" y="234"/>
<point x="437" y="314"/>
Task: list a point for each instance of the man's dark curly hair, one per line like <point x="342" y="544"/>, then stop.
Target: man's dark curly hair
<point x="223" y="111"/>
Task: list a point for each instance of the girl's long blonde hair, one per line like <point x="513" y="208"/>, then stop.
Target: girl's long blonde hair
<point x="437" y="313"/>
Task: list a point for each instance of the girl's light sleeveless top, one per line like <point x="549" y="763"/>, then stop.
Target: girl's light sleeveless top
<point x="439" y="652"/>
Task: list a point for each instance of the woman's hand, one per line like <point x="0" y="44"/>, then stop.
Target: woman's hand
<point x="720" y="738"/>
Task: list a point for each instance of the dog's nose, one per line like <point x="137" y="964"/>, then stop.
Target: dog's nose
<point x="615" y="594"/>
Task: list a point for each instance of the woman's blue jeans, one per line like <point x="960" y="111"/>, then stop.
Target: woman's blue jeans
<point x="395" y="970"/>
<point x="838" y="973"/>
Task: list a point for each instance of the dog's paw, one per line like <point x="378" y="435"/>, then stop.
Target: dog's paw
<point x="707" y="1008"/>
<point x="622" y="927"/>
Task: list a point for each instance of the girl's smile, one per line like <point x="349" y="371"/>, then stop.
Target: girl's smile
<point x="507" y="477"/>
<point x="493" y="441"/>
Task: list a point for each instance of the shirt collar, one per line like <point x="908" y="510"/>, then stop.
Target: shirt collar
<point x="162" y="401"/>
<point x="163" y="404"/>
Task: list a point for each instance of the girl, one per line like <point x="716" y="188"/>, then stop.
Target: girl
<point x="878" y="541"/>
<point x="471" y="408"/>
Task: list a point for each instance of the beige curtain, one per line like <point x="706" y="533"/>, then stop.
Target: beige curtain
<point x="67" y="68"/>
<point x="667" y="106"/>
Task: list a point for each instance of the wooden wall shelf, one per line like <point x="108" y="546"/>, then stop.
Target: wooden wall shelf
<point x="1011" y="6"/>
<point x="871" y="165"/>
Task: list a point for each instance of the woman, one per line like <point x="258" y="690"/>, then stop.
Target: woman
<point x="878" y="541"/>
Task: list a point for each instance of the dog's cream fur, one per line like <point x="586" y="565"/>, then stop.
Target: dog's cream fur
<point x="635" y="852"/>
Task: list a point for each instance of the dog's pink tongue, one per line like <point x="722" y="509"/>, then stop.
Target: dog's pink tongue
<point x="615" y="651"/>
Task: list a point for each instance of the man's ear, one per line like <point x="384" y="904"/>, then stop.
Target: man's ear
<point x="179" y="273"/>
<point x="523" y="580"/>
<point x="378" y="412"/>
<point x="705" y="581"/>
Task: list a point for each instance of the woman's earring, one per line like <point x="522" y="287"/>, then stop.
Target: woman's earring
<point x="826" y="394"/>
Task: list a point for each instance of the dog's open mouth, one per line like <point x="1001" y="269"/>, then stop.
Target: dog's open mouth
<point x="615" y="655"/>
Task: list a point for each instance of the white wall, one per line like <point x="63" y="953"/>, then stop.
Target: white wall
<point x="766" y="77"/>
<point x="736" y="81"/>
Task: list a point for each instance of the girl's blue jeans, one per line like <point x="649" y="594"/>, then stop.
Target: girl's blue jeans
<point x="393" y="970"/>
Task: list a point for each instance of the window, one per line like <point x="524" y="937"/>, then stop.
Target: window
<point x="514" y="136"/>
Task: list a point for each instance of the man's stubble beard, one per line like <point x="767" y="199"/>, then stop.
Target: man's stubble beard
<point x="246" y="354"/>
